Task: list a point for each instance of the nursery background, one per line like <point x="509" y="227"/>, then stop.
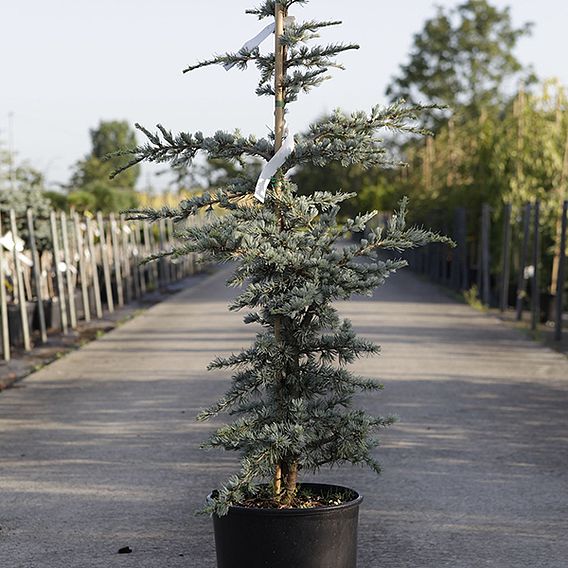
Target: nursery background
<point x="68" y="99"/>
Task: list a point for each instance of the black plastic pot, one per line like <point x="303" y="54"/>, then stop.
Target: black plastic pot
<point x="324" y="537"/>
<point x="46" y="313"/>
<point x="53" y="314"/>
<point x="15" y="329"/>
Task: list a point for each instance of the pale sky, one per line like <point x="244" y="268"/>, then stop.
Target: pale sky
<point x="67" y="64"/>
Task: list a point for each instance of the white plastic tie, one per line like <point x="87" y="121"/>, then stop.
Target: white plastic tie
<point x="254" y="42"/>
<point x="273" y="166"/>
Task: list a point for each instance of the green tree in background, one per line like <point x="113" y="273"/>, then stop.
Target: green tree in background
<point x="106" y="139"/>
<point x="22" y="187"/>
<point x="91" y="186"/>
<point x="463" y="58"/>
<point x="513" y="156"/>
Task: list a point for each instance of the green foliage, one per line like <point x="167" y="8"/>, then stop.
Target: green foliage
<point x="98" y="165"/>
<point x="464" y="58"/>
<point x="91" y="185"/>
<point x="472" y="298"/>
<point x="513" y="156"/>
<point x="292" y="392"/>
<point x="82" y="201"/>
<point x="57" y="199"/>
<point x="21" y="188"/>
<point x="99" y="196"/>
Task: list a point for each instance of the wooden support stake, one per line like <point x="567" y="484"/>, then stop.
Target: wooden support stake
<point x="116" y="259"/>
<point x="139" y="271"/>
<point x="154" y="245"/>
<point x="37" y="277"/>
<point x="125" y="231"/>
<point x="167" y="246"/>
<point x="561" y="281"/>
<point x="106" y="267"/>
<point x="485" y="255"/>
<point x="463" y="250"/>
<point x="521" y="280"/>
<point x="164" y="268"/>
<point x="563" y="182"/>
<point x="170" y="240"/>
<point x="58" y="273"/>
<point x="535" y="284"/>
<point x="82" y="266"/>
<point x="279" y="124"/>
<point x="68" y="272"/>
<point x="20" y="285"/>
<point x="149" y="250"/>
<point x="561" y="275"/>
<point x="4" y="304"/>
<point x="454" y="255"/>
<point x="94" y="268"/>
<point x="506" y="260"/>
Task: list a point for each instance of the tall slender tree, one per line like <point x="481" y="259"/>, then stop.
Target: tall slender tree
<point x="291" y="392"/>
<point x="464" y="58"/>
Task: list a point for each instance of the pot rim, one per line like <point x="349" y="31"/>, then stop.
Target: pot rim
<point x="355" y="502"/>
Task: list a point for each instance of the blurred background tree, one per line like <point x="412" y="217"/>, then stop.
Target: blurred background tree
<point x="464" y="58"/>
<point x="22" y="187"/>
<point x="91" y="187"/>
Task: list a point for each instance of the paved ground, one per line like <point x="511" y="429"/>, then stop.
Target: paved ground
<point x="99" y="450"/>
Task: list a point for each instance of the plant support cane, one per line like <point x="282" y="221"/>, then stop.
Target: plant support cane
<point x="292" y="393"/>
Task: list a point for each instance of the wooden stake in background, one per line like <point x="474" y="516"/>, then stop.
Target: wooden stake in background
<point x="149" y="250"/>
<point x="68" y="272"/>
<point x="506" y="264"/>
<point x="561" y="197"/>
<point x="19" y="284"/>
<point x="104" y="256"/>
<point x="561" y="274"/>
<point x="535" y="284"/>
<point x="4" y="304"/>
<point x="82" y="267"/>
<point x="164" y="269"/>
<point x="94" y="268"/>
<point x="116" y="259"/>
<point x="37" y="276"/>
<point x="125" y="231"/>
<point x="485" y="252"/>
<point x="139" y="271"/>
<point x="58" y="274"/>
<point x="521" y="282"/>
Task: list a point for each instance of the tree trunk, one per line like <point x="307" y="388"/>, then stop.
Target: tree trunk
<point x="291" y="482"/>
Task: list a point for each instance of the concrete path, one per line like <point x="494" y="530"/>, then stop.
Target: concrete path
<point x="100" y="450"/>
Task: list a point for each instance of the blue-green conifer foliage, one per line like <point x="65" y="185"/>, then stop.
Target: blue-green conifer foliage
<point x="291" y="393"/>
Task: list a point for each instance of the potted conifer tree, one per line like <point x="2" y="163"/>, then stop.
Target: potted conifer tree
<point x="291" y="392"/>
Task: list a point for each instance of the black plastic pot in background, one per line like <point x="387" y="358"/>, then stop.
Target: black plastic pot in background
<point x="15" y="330"/>
<point x="80" y="308"/>
<point x="547" y="307"/>
<point x="46" y="313"/>
<point x="324" y="537"/>
<point x="53" y="314"/>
